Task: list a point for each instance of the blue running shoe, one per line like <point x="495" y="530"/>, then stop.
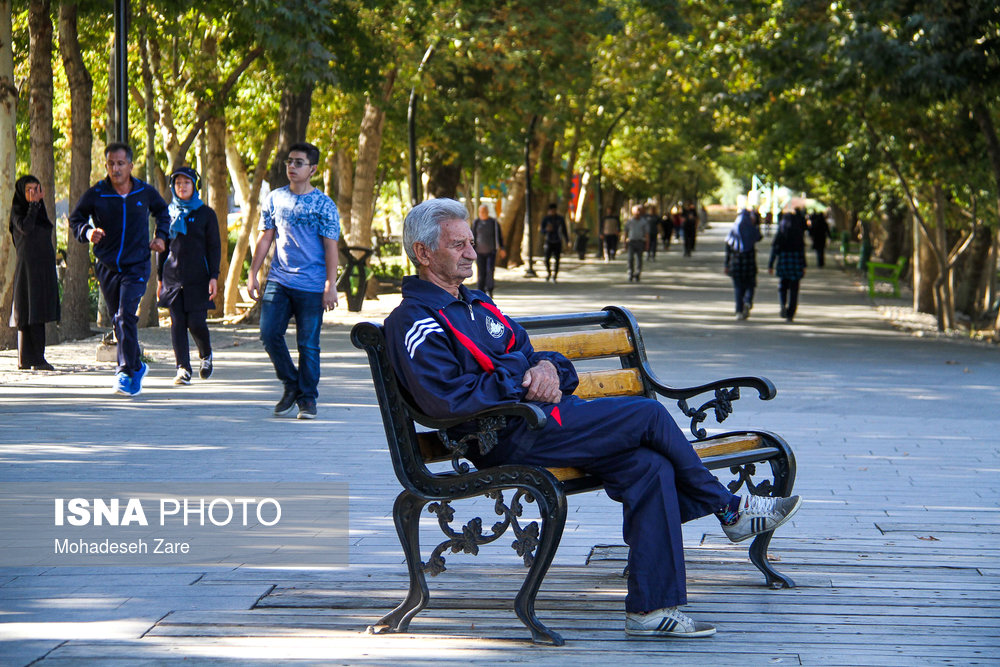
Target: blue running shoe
<point x="123" y="384"/>
<point x="136" y="386"/>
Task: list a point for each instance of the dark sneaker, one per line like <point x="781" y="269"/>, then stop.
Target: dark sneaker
<point x="205" y="371"/>
<point x="183" y="376"/>
<point x="44" y="366"/>
<point x="287" y="402"/>
<point x="136" y="385"/>
<point x="122" y="384"/>
<point x="760" y="514"/>
<point x="746" y="310"/>
<point x="666" y="622"/>
<point x="307" y="409"/>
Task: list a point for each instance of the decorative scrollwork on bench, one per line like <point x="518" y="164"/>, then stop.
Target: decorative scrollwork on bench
<point x="486" y="437"/>
<point x="722" y="404"/>
<point x="471" y="536"/>
<point x="744" y="476"/>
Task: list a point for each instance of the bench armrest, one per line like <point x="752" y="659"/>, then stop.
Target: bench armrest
<point x="531" y="414"/>
<point x="725" y="392"/>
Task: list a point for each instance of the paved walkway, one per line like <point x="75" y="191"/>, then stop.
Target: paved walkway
<point x="895" y="551"/>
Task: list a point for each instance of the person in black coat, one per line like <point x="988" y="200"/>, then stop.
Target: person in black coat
<point x="36" y="288"/>
<point x="788" y="250"/>
<point x="189" y="271"/>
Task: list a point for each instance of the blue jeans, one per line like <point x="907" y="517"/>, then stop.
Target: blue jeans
<point x="278" y="305"/>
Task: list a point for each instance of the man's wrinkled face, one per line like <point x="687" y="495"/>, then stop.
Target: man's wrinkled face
<point x="451" y="263"/>
<point x="119" y="167"/>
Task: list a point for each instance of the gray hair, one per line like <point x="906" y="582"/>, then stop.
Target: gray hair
<point x="423" y="223"/>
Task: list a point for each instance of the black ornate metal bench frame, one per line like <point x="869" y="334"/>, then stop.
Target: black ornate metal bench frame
<point x="547" y="488"/>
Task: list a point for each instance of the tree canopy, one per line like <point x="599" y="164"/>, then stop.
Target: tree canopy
<point x="885" y="110"/>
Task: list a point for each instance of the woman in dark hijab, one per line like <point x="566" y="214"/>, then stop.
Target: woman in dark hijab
<point x="36" y="288"/>
<point x="189" y="273"/>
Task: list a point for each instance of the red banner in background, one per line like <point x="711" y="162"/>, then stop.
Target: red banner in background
<point x="574" y="192"/>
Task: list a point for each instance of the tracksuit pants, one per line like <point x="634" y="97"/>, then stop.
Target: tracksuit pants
<point x="646" y="464"/>
<point x="123" y="291"/>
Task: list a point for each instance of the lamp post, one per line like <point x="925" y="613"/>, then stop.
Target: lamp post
<point x="121" y="70"/>
<point x="411" y="128"/>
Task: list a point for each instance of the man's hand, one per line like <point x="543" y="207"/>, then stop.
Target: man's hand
<point x="157" y="245"/>
<point x="213" y="288"/>
<point x="542" y="381"/>
<point x="95" y="235"/>
<point x="330" y="296"/>
<point x="253" y="287"/>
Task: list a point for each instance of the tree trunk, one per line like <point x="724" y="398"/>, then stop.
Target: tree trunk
<point x="40" y="100"/>
<point x="8" y="170"/>
<point x="76" y="290"/>
<point x="972" y="276"/>
<point x="945" y="281"/>
<point x="512" y="220"/>
<point x="366" y="169"/>
<point x="250" y="196"/>
<point x="218" y="193"/>
<point x="43" y="164"/>
<point x="443" y="178"/>
<point x="925" y="271"/>
<point x="984" y="119"/>
<point x="293" y="122"/>
<point x="345" y="190"/>
<point x="148" y="313"/>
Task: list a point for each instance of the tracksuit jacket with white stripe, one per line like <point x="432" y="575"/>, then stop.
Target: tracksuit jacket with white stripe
<point x="459" y="356"/>
<point x="125" y="221"/>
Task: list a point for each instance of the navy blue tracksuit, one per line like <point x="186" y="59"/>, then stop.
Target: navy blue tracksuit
<point x="123" y="264"/>
<point x="463" y="355"/>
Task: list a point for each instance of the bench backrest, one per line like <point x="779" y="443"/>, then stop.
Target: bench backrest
<point x="611" y="334"/>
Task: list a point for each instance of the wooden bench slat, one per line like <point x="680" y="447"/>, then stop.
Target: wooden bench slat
<point x="585" y="344"/>
<point x="731" y="445"/>
<point x="620" y="382"/>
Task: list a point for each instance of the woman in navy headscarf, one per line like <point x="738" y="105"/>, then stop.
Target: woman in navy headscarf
<point x="36" y="287"/>
<point x="789" y="251"/>
<point x="189" y="272"/>
<point x="741" y="260"/>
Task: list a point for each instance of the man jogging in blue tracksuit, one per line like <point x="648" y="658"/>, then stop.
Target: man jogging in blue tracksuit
<point x="456" y="352"/>
<point x="114" y="216"/>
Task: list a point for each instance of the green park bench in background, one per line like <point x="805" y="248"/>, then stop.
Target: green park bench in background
<point x="887" y="273"/>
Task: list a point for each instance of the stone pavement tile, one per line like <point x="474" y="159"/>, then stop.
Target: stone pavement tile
<point x="17" y="653"/>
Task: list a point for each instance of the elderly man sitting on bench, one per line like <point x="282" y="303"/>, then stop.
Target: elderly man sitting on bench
<point x="456" y="353"/>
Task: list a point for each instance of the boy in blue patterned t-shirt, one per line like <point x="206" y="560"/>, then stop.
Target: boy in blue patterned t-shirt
<point x="304" y="225"/>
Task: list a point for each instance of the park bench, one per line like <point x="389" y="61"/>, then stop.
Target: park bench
<point x="887" y="273"/>
<point x="610" y="335"/>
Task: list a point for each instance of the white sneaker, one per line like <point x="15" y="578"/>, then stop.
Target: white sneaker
<point x="666" y="622"/>
<point x="183" y="376"/>
<point x="205" y="371"/>
<point x="759" y="514"/>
